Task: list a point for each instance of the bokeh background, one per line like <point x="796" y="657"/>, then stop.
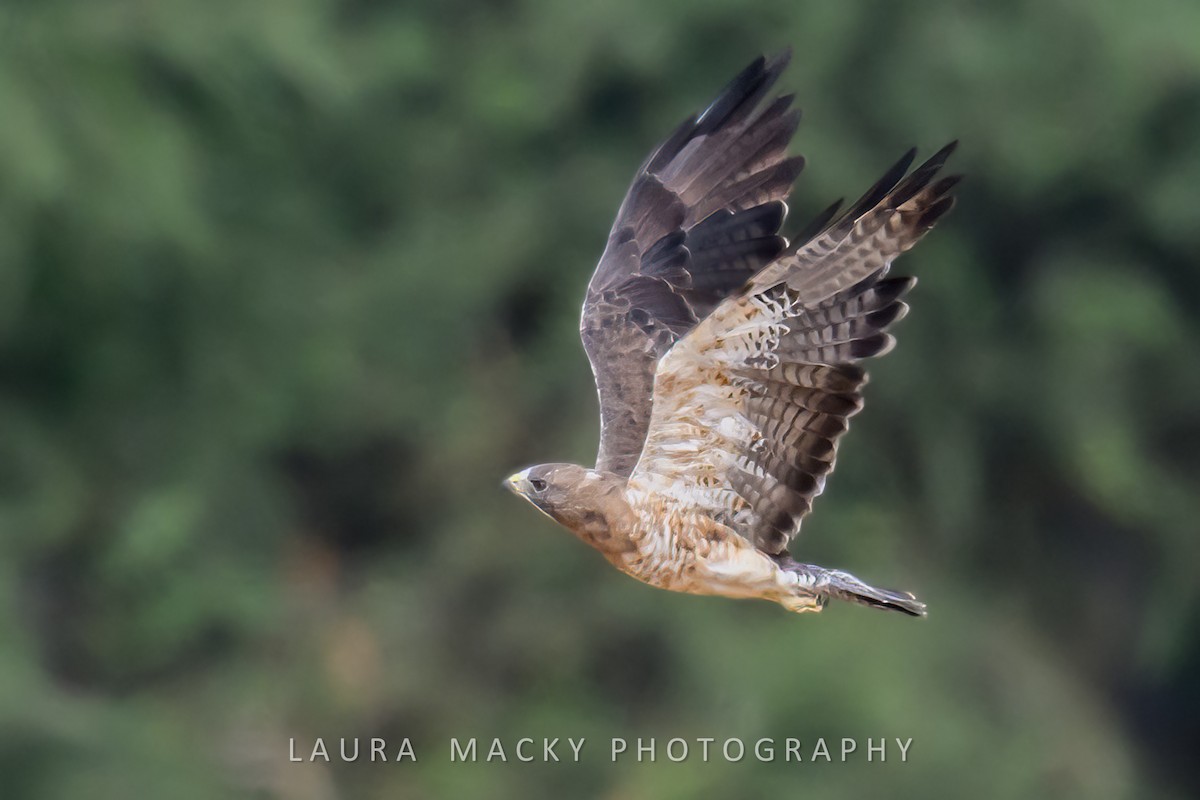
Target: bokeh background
<point x="287" y="287"/>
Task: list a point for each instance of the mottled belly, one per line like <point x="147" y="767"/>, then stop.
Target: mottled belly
<point x="701" y="557"/>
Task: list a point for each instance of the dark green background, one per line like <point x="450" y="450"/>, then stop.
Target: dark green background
<point x="288" y="286"/>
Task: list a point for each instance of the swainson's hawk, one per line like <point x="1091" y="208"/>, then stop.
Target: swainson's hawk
<point x="727" y="361"/>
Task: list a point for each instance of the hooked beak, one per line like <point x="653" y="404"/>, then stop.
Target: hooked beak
<point x="518" y="483"/>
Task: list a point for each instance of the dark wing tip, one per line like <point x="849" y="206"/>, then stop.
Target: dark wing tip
<point x="742" y="94"/>
<point x="818" y="223"/>
<point x="922" y="175"/>
<point x="931" y="215"/>
<point x="772" y="214"/>
<point x="778" y="61"/>
<point x="882" y="188"/>
<point x="941" y="156"/>
<point x="871" y="346"/>
<point x="947" y="183"/>
<point x="907" y="159"/>
<point x="947" y="149"/>
<point x="730" y="97"/>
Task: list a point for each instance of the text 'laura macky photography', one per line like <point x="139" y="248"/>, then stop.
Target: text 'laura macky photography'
<point x="568" y="749"/>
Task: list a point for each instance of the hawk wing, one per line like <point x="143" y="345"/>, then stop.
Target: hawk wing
<point x="749" y="406"/>
<point x="701" y="217"/>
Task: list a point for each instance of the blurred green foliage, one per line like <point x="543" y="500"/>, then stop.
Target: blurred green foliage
<point x="288" y="286"/>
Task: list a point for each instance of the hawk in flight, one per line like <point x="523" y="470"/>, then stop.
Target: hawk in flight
<point x="728" y="361"/>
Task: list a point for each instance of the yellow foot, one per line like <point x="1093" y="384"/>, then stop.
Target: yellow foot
<point x="802" y="604"/>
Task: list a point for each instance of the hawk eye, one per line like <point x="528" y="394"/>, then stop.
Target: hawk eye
<point x="538" y="484"/>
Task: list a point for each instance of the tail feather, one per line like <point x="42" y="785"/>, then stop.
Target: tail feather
<point x="840" y="585"/>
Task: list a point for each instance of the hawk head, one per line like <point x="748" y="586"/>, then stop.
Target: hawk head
<point x="573" y="496"/>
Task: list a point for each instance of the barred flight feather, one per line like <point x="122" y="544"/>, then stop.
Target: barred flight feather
<point x="780" y="359"/>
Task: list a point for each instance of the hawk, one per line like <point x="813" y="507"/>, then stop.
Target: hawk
<point x="728" y="362"/>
